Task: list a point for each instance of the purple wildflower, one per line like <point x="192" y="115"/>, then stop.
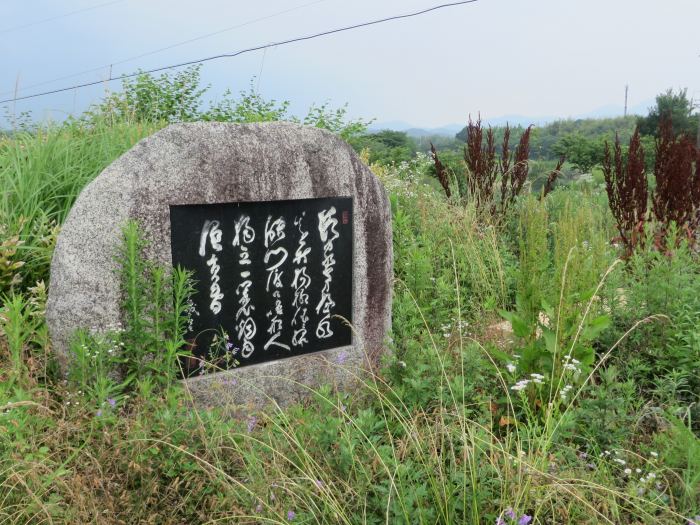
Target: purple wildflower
<point x="510" y="513"/>
<point x="258" y="509"/>
<point x="500" y="521"/>
<point x="582" y="455"/>
<point x="319" y="483"/>
<point x="524" y="519"/>
<point x="112" y="402"/>
<point x="99" y="412"/>
<point x="291" y="515"/>
<point x="229" y="345"/>
<point x="252" y="421"/>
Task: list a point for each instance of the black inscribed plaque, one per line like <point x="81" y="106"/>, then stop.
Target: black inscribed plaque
<point x="270" y="277"/>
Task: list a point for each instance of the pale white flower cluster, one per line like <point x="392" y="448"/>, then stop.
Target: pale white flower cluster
<point x="520" y="385"/>
<point x="406" y="178"/>
<point x="564" y="392"/>
<point x="538" y="379"/>
<point x="461" y="325"/>
<point x="572" y="364"/>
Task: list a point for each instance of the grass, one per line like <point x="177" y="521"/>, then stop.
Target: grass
<point x="437" y="436"/>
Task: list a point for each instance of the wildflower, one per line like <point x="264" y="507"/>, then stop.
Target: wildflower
<point x="402" y="364"/>
<point x="500" y="521"/>
<point x="252" y="421"/>
<point x="537" y="378"/>
<point x="99" y="413"/>
<point x="229" y="346"/>
<point x="511" y="368"/>
<point x="520" y="385"/>
<point x="655" y="454"/>
<point x="620" y="461"/>
<point x="582" y="455"/>
<point x="524" y="519"/>
<point x="291" y="515"/>
<point x="628" y="471"/>
<point x="319" y="483"/>
<point x="258" y="509"/>
<point x="510" y="513"/>
<point x="564" y="392"/>
<point x="112" y="402"/>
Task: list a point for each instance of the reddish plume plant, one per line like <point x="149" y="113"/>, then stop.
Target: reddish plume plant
<point x="484" y="167"/>
<point x="513" y="179"/>
<point x="441" y="172"/>
<point x="626" y="185"/>
<point x="677" y="195"/>
<point x="552" y="177"/>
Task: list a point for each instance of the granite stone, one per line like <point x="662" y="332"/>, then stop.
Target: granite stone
<point x="203" y="163"/>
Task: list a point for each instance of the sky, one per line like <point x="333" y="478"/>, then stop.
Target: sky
<point x="534" y="58"/>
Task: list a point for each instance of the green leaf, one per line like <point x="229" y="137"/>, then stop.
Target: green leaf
<point x="594" y="327"/>
<point x="550" y="339"/>
<point x="585" y="354"/>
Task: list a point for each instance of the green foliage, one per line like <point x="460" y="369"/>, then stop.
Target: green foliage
<point x="170" y="97"/>
<point x="152" y="321"/>
<point x="386" y="147"/>
<point x="438" y="435"/>
<point x="583" y="153"/>
<point x="547" y="140"/>
<point x="666" y="288"/>
<point x="249" y="107"/>
<point x="671" y="105"/>
<point x="42" y="175"/>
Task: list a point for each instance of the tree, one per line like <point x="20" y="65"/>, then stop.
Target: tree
<point x="386" y="146"/>
<point x="583" y="153"/>
<point x="674" y="106"/>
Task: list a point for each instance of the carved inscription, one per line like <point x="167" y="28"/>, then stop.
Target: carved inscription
<point x="273" y="279"/>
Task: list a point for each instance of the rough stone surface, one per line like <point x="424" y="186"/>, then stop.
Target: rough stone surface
<point x="202" y="163"/>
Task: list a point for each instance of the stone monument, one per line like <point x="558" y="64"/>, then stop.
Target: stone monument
<point x="288" y="236"/>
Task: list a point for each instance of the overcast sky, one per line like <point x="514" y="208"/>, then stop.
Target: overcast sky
<point x="535" y="58"/>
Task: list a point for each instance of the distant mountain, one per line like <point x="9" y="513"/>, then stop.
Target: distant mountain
<point x="412" y="131"/>
<point x="450" y="130"/>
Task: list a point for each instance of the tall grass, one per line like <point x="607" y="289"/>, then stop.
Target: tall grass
<point x="438" y="436"/>
<point x="42" y="173"/>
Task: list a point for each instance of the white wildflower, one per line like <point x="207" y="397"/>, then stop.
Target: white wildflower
<point x="520" y="385"/>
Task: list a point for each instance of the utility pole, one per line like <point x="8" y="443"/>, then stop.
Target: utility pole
<point x="626" y="90"/>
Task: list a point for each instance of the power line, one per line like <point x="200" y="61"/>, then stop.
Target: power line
<point x="166" y="48"/>
<point x="64" y="15"/>
<point x="248" y="50"/>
